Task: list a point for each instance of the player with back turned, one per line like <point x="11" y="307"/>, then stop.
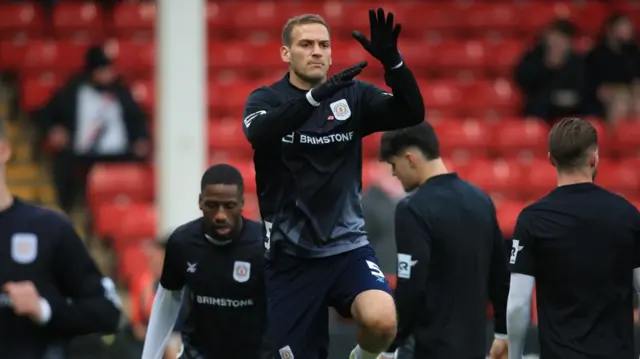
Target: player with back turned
<point x="215" y="265"/>
<point x="451" y="255"/>
<point x="50" y="288"/>
<point x="306" y="132"/>
<point x="581" y="246"/>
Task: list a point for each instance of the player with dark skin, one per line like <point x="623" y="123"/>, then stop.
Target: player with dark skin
<point x="221" y="206"/>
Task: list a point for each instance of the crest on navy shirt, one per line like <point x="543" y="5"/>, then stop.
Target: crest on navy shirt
<point x="24" y="247"/>
<point x="340" y="109"/>
<point x="241" y="271"/>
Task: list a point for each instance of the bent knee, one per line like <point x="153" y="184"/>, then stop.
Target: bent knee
<point x="375" y="311"/>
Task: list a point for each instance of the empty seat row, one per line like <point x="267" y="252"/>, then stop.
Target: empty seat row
<point x="470" y="138"/>
<point x="242" y="18"/>
<point x="448" y="97"/>
<point x="128" y="225"/>
<point x="139" y="56"/>
<point x="508" y="178"/>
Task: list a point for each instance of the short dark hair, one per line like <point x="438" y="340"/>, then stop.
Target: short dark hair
<point x="421" y="136"/>
<point x="222" y="174"/>
<point x="300" y="20"/>
<point x="570" y="141"/>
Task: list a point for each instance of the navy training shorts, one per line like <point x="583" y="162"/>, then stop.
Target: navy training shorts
<point x="300" y="292"/>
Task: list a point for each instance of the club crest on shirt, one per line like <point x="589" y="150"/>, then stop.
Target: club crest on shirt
<point x="340" y="109"/>
<point x="241" y="271"/>
<point x="24" y="247"/>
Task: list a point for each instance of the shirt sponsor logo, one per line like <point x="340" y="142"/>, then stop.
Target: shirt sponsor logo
<point x="224" y="302"/>
<point x="326" y="139"/>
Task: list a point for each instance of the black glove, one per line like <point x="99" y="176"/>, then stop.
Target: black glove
<point x="384" y="38"/>
<point x="336" y="82"/>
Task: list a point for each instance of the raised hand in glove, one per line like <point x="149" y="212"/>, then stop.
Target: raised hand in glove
<point x="384" y="38"/>
<point x="336" y="82"/>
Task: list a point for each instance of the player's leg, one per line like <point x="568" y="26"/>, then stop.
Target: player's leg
<point x="362" y="292"/>
<point x="297" y="313"/>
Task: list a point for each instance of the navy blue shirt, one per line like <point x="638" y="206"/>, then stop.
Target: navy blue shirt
<point x="41" y="246"/>
<point x="224" y="300"/>
<point x="581" y="243"/>
<point x="308" y="160"/>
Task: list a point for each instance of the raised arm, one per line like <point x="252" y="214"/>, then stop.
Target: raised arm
<point x="384" y="111"/>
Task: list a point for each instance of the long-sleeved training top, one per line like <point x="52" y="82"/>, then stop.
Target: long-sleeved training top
<point x="451" y="262"/>
<point x="308" y="158"/>
<point x="41" y="246"/>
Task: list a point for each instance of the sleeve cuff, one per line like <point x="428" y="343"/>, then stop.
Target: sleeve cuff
<point x="311" y="100"/>
<point x="398" y="65"/>
<point x="500" y="336"/>
<point x="45" y="312"/>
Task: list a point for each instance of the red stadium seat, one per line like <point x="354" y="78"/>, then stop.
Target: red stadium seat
<point x="46" y="55"/>
<point x="139" y="225"/>
<point x="626" y="137"/>
<point x="227" y="135"/>
<point x="540" y="179"/>
<point x="35" y="91"/>
<point x="442" y="98"/>
<point x="502" y="57"/>
<point x="419" y="54"/>
<point x="459" y="55"/>
<point x="512" y="137"/>
<point x="21" y="19"/>
<point x="229" y="97"/>
<point x="485" y="17"/>
<point x="371" y="145"/>
<point x="507" y="213"/>
<point x="108" y="217"/>
<point x="132" y="57"/>
<point x="432" y="19"/>
<point x="469" y="137"/>
<point x="12" y="54"/>
<point x="498" y="177"/>
<point x="264" y="17"/>
<point x="131" y="262"/>
<point x="132" y="19"/>
<point x="490" y="98"/>
<point x="78" y="19"/>
<point x="619" y="177"/>
<point x="242" y="55"/>
<point x="123" y="182"/>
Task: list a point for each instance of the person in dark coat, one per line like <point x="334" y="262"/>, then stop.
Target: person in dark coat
<point x="93" y="118"/>
<point x="551" y="75"/>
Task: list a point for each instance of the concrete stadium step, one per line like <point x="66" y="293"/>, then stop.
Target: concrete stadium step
<point x="22" y="152"/>
<point x="27" y="192"/>
<point x="23" y="172"/>
<point x="46" y="193"/>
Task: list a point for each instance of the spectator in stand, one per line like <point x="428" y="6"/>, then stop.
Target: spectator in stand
<point x="92" y="119"/>
<point x="142" y="295"/>
<point x="613" y="70"/>
<point x="551" y="75"/>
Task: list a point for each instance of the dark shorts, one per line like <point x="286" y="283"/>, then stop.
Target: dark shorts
<point x="300" y="292"/>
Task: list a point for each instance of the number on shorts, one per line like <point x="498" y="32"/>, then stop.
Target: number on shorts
<point x="375" y="270"/>
<point x="267" y="229"/>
